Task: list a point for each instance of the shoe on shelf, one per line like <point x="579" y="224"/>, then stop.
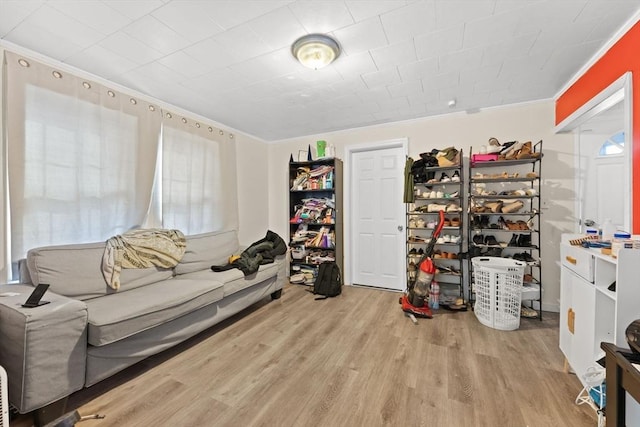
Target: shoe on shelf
<point x="431" y="224"/>
<point x="412" y="223"/>
<point x="420" y="251"/>
<point x="514" y="240"/>
<point x="453" y="207"/>
<point x="524" y="240"/>
<point x="420" y="223"/>
<point x="436" y="207"/>
<point x="478" y="240"/>
<point x="491" y="241"/>
<point x="454" y="195"/>
<point x="439" y="195"/>
<point x="455" y="177"/>
<point x="513" y="207"/>
<point x="494" y="251"/>
<point x="440" y="240"/>
<point x="525" y="151"/>
<point x="495" y="207"/>
<point x="456" y="239"/>
<point x="433" y="194"/>
<point x="444" y="177"/>
<point x="528" y="312"/>
<point x="413" y="251"/>
<point x="455" y="222"/>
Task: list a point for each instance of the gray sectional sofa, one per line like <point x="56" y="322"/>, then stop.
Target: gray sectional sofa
<point x="89" y="332"/>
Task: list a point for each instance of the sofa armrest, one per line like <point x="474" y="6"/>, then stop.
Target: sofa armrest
<point x="43" y="349"/>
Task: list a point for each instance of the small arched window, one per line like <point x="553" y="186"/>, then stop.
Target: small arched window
<point x="613" y="146"/>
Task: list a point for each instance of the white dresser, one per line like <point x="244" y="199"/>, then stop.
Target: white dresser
<point x="589" y="312"/>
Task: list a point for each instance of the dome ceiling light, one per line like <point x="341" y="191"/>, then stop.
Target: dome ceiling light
<point x="315" y="50"/>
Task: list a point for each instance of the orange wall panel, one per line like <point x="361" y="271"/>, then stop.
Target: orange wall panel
<point x="622" y="57"/>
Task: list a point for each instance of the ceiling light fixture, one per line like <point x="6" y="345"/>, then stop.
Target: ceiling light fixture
<point x="315" y="50"/>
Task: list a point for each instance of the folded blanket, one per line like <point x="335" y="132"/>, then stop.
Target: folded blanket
<point x="141" y="248"/>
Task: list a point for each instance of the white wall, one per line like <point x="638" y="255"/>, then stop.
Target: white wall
<point x="253" y="188"/>
<point x="532" y="121"/>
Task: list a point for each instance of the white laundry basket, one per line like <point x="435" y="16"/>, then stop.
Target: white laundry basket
<point x="498" y="287"/>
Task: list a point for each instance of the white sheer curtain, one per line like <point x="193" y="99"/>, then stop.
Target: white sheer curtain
<point x="81" y="157"/>
<point x="198" y="187"/>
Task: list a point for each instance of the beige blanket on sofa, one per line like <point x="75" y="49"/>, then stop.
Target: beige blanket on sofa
<point x="142" y="248"/>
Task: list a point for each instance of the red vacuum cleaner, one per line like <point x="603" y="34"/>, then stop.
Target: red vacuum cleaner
<point x="415" y="299"/>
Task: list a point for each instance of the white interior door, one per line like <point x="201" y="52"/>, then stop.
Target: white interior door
<point x="377" y="251"/>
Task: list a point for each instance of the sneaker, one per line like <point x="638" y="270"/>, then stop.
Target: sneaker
<point x="440" y="240"/>
<point x="420" y="223"/>
<point x="420" y="251"/>
<point x="439" y="195"/>
<point x="446" y="238"/>
<point x="412" y="223"/>
<point x="478" y="239"/>
<point x="431" y="224"/>
<point x="453" y="207"/>
<point x="514" y="240"/>
<point x="413" y="251"/>
<point x="456" y="239"/>
<point x="445" y="178"/>
<point x="528" y="312"/>
<point x="433" y="195"/>
<point x="454" y="195"/>
<point x="455" y="177"/>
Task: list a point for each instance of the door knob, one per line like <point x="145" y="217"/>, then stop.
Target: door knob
<point x="400" y="228"/>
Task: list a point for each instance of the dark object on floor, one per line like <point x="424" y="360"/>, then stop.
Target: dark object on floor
<point x="328" y="281"/>
<point x="71" y="418"/>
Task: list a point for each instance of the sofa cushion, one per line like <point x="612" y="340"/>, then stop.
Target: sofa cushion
<point x="117" y="316"/>
<point x="207" y="249"/>
<point x="75" y="271"/>
<point x="234" y="280"/>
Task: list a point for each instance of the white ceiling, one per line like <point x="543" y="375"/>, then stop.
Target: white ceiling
<point x="230" y="61"/>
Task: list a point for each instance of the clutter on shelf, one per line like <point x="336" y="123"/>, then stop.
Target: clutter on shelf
<point x="512" y="150"/>
<point x="315" y="210"/>
<point x="318" y="178"/>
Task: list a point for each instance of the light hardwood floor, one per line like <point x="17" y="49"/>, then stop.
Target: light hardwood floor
<point x="354" y="360"/>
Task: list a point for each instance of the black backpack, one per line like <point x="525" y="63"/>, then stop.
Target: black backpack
<point x="328" y="282"/>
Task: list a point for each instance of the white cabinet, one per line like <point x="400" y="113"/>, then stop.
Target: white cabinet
<point x="590" y="313"/>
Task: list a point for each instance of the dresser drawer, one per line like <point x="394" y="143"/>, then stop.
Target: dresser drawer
<point x="578" y="260"/>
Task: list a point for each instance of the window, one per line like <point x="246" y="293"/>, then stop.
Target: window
<point x="191" y="182"/>
<point x="83" y="164"/>
<point x="613" y="145"/>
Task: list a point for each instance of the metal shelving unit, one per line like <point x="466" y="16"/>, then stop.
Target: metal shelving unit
<point x="421" y="222"/>
<point x="495" y="189"/>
